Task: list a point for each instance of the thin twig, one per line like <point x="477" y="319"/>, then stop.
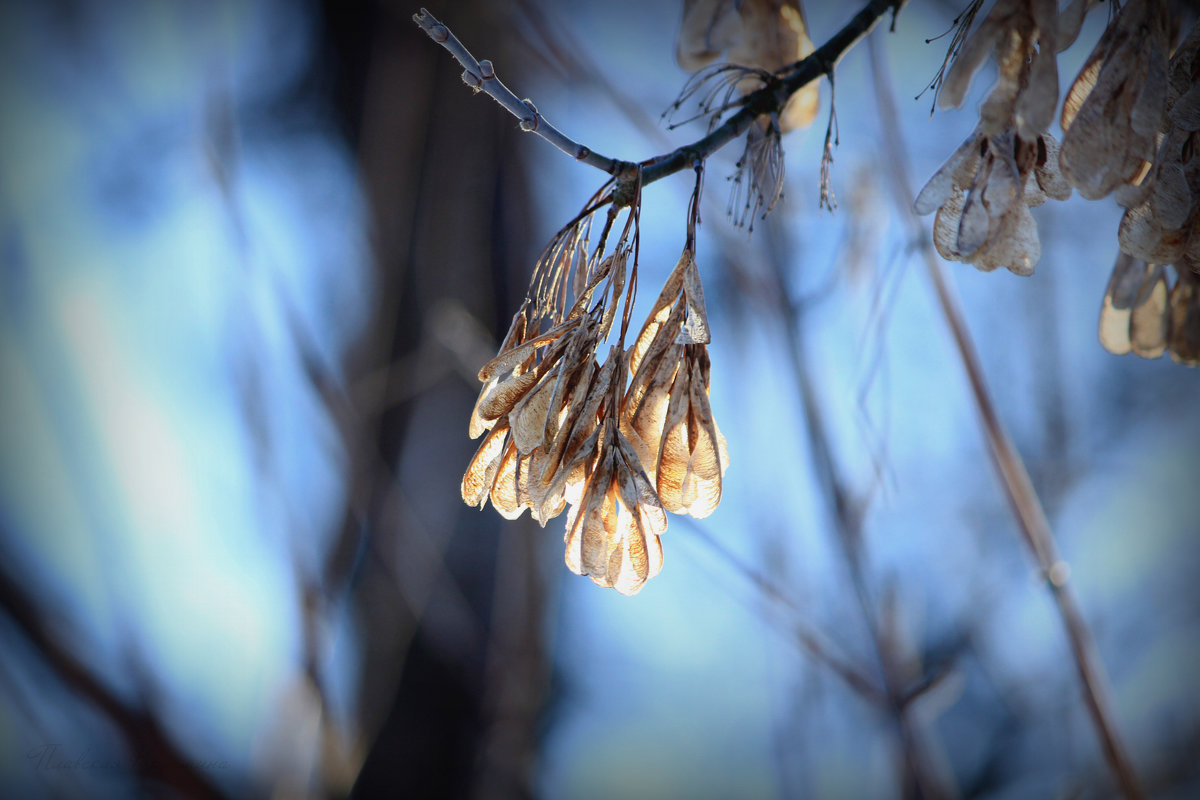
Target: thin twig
<point x="846" y="516"/>
<point x="1027" y="507"/>
<point x="481" y="75"/>
<point x="767" y="100"/>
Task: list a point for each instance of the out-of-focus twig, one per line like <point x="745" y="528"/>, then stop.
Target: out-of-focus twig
<point x="845" y="515"/>
<point x="154" y="755"/>
<point x="1014" y="477"/>
<point x="805" y="637"/>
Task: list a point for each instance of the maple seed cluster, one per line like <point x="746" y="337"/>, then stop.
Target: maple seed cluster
<point x="1131" y="129"/>
<point x="620" y="442"/>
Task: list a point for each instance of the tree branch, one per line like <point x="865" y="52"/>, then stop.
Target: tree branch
<point x="767" y="100"/>
<point x="773" y="97"/>
<point x="481" y="75"/>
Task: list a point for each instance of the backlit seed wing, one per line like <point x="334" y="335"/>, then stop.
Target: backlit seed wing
<point x="580" y="351"/>
<point x="1124" y="286"/>
<point x="674" y="452"/>
<point x="648" y="416"/>
<point x="569" y="417"/>
<point x="1015" y="246"/>
<point x="695" y="325"/>
<point x="705" y="468"/>
<point x="938" y="189"/>
<point x="478" y="424"/>
<point x="945" y="226"/>
<point x="591" y="526"/>
<point x="587" y="423"/>
<point x="481" y="472"/>
<point x="662" y="315"/>
<point x="574" y="471"/>
<point x="1149" y="323"/>
<point x="511" y="358"/>
<point x="637" y="493"/>
<point x="629" y="566"/>
<point x="506" y="492"/>
<point x="504" y="395"/>
<point x="663" y="342"/>
<point x="546" y="500"/>
<point x="974" y="223"/>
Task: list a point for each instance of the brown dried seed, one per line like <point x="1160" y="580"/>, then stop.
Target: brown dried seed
<point x="481" y="471"/>
<point x="506" y="492"/>
<point x="504" y="395"/>
<point x="528" y="415"/>
<point x="1015" y="244"/>
<point x="1131" y="285"/>
<point x="509" y="359"/>
<point x="1141" y="237"/>
<point x="773" y="36"/>
<point x="674" y="452"/>
<point x="1080" y="89"/>
<point x="1032" y="195"/>
<point x="705" y="467"/>
<point x="1181" y="69"/>
<point x="1149" y="321"/>
<point x="1002" y="189"/>
<point x="1037" y="103"/>
<point x="1185" y="113"/>
<point x="588" y="420"/>
<point x="945" y="226"/>
<point x="1184" y="341"/>
<point x="974" y="223"/>
<point x="647" y="417"/>
<point x="1049" y="175"/>
<point x="709" y="28"/>
<point x="1171" y="200"/>
<point x="641" y="491"/>
<point x="937" y="190"/>
<point x="570" y="416"/>
<point x="1149" y="109"/>
<point x="695" y="325"/>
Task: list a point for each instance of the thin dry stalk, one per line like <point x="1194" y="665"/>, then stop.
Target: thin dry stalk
<point x="1026" y="505"/>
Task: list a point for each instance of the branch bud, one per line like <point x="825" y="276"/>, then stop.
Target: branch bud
<point x="486" y="70"/>
<point x="530" y="123"/>
<point x="471" y="79"/>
